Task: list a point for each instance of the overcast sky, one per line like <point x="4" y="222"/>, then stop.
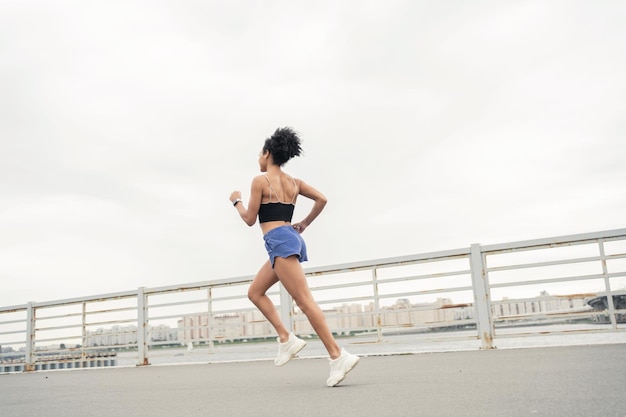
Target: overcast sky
<point x="430" y="125"/>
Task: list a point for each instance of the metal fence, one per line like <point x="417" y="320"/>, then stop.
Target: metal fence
<point x="481" y="293"/>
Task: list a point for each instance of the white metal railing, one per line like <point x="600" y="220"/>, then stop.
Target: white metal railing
<point x="489" y="289"/>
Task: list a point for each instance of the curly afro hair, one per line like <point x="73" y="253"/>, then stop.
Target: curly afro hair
<point x="284" y="144"/>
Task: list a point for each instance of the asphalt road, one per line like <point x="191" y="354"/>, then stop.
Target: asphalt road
<point x="568" y="381"/>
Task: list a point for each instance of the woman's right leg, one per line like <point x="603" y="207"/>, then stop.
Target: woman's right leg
<point x="263" y="281"/>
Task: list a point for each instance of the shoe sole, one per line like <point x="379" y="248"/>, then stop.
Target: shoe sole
<point x="356" y="362"/>
<point x="293" y="355"/>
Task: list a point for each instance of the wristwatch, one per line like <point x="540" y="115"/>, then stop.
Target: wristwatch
<point x="237" y="200"/>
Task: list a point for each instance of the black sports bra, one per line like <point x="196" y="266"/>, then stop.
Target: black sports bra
<point x="277" y="210"/>
<point x="270" y="212"/>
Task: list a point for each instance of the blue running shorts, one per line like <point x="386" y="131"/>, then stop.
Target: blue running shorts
<point x="283" y="242"/>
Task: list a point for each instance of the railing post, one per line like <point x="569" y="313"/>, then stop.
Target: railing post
<point x="29" y="359"/>
<point x="142" y="327"/>
<point x="210" y="319"/>
<point x="482" y="298"/>
<point x="607" y="284"/>
<point x="286" y="308"/>
<point x="83" y="351"/>
<point x="377" y="316"/>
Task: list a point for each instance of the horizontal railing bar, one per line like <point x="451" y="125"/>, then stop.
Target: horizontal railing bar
<point x="204" y="301"/>
<point x="447" y="323"/>
<point x="552" y="321"/>
<point x="425" y="292"/>
<point x="174" y="316"/>
<point x="559" y="240"/>
<point x="421" y="277"/>
<point x="547" y="315"/>
<point x="100" y="323"/>
<point x="122" y="332"/>
<point x="462" y="322"/>
<point x="214" y="298"/>
<point x="536" y="301"/>
<point x="544" y="264"/>
<point x="235" y="297"/>
<point x="73" y="356"/>
<point x="390" y="262"/>
<point x="547" y="281"/>
<point x="116" y="334"/>
<point x="202" y="285"/>
<point x="613" y="238"/>
<point x="87" y="313"/>
<point x="68" y="326"/>
<point x="87" y="299"/>
<point x="105" y="348"/>
<point x="14" y="309"/>
<point x="64" y="316"/>
<point x="543" y="298"/>
<point x="167" y="342"/>
<point x="11" y="343"/>
<point x="23" y="331"/>
<point x="178" y="303"/>
<point x="58" y="352"/>
<point x="215" y="312"/>
<point x="13" y="321"/>
<point x="111" y="311"/>
<point x="556" y="332"/>
<point x="344" y="300"/>
<point x="361" y="284"/>
<point x="340" y="286"/>
<point x="330" y="313"/>
<point x="422" y="307"/>
<point x="539" y="247"/>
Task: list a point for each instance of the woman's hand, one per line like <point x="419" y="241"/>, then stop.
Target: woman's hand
<point x="235" y="195"/>
<point x="299" y="227"/>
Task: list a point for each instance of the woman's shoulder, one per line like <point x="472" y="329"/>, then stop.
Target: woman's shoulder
<point x="259" y="181"/>
<point x="291" y="177"/>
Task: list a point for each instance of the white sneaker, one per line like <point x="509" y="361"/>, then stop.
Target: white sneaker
<point x="340" y="367"/>
<point x="289" y="349"/>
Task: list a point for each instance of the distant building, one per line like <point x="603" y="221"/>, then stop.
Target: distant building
<point x="544" y="304"/>
<point x="127" y="335"/>
<point x="350" y="318"/>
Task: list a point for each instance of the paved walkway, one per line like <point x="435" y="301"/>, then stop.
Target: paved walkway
<point x="568" y="381"/>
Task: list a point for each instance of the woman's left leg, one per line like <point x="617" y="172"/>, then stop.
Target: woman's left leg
<point x="291" y="275"/>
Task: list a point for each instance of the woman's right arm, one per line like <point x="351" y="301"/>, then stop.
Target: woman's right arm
<point x="249" y="214"/>
<point x="319" y="200"/>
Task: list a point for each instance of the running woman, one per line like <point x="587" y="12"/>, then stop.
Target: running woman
<point x="273" y="197"/>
